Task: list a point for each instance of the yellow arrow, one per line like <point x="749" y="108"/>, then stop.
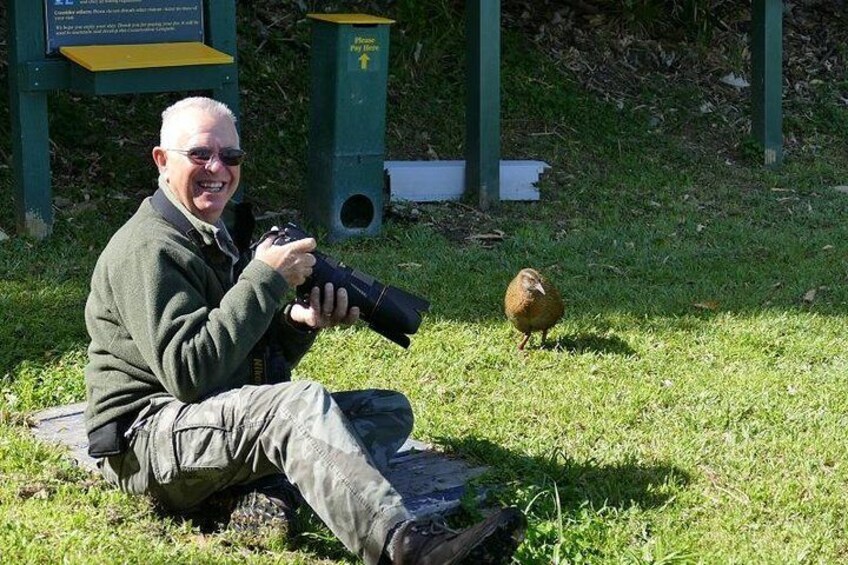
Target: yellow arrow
<point x="363" y="61"/>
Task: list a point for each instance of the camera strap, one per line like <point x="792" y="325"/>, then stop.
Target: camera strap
<point x="211" y="253"/>
<point x="169" y="212"/>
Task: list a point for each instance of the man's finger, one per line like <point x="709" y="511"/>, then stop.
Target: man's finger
<point x="352" y="316"/>
<point x="341" y="303"/>
<point x="329" y="300"/>
<point x="301" y="245"/>
<point x="315" y="299"/>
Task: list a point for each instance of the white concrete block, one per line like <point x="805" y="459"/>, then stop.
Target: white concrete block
<point x="436" y="181"/>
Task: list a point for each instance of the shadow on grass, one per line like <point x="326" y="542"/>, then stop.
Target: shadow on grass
<point x="620" y="485"/>
<point x="303" y="531"/>
<point x="42" y="326"/>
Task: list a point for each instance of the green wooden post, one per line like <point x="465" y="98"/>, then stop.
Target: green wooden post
<point x="483" y="126"/>
<point x="767" y="79"/>
<point x="28" y="110"/>
<point x="221" y="35"/>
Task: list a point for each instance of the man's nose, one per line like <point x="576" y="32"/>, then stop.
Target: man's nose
<point x="214" y="163"/>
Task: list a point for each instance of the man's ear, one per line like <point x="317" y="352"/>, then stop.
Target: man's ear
<point x="160" y="157"/>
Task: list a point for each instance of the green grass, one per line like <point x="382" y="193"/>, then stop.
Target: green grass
<point x="689" y="408"/>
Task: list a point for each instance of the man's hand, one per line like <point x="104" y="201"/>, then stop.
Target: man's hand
<point x="332" y="311"/>
<point x="293" y="260"/>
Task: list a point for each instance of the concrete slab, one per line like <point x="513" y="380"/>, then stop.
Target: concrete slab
<point x="431" y="482"/>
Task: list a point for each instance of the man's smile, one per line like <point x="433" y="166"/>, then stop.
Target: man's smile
<point x="210" y="186"/>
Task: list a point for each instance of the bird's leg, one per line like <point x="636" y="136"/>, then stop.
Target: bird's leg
<point x="544" y="336"/>
<point x="524" y="341"/>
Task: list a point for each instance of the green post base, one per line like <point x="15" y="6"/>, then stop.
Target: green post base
<point x="483" y="126"/>
<point x="767" y="79"/>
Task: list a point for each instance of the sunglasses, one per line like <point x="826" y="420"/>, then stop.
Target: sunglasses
<point x="230" y="156"/>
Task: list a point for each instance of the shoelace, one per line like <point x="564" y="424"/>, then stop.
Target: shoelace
<point x="432" y="527"/>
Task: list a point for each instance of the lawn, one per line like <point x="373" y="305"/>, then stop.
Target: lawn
<point x="690" y="406"/>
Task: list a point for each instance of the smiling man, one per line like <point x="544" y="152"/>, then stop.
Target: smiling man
<point x="176" y="408"/>
<point x="198" y="159"/>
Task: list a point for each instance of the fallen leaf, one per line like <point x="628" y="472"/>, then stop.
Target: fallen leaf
<point x="842" y="188"/>
<point x="410" y="265"/>
<point x="809" y="296"/>
<point x="39" y="491"/>
<point x="706" y="305"/>
<point x="612" y="268"/>
<point x="496" y="235"/>
<point x="735" y="81"/>
<point x="77" y="209"/>
<point x="43" y="494"/>
<point x="61" y="201"/>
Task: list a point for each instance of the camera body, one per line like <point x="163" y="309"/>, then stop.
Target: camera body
<point x="389" y="311"/>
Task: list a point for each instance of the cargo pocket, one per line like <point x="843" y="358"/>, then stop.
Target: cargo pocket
<point x="203" y="450"/>
<point x="190" y="441"/>
<point x="163" y="456"/>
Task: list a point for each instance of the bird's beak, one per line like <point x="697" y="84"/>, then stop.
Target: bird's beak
<point x="538" y="286"/>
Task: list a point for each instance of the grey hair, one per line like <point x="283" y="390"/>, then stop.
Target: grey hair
<point x="201" y="103"/>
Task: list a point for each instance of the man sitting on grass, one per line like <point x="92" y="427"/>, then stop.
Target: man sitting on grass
<point x="175" y="409"/>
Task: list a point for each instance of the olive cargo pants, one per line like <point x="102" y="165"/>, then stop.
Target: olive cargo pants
<point x="332" y="447"/>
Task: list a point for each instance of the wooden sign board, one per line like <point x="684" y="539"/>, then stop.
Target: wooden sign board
<point x="115" y="22"/>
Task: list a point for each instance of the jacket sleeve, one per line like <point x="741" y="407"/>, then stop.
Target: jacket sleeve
<point x="193" y="346"/>
<point x="292" y="340"/>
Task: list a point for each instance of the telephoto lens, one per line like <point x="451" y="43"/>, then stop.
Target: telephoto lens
<point x="391" y="312"/>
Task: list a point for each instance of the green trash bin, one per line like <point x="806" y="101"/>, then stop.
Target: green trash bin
<point x="347" y="123"/>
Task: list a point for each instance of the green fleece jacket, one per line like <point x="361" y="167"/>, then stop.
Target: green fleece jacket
<point x="165" y="320"/>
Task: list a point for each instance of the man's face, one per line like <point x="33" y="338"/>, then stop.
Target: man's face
<point x="203" y="189"/>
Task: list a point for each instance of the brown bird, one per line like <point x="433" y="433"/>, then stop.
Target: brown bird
<point x="532" y="304"/>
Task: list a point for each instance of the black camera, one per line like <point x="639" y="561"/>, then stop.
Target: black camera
<point x="389" y="311"/>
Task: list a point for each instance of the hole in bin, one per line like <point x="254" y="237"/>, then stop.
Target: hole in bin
<point x="357" y="212"/>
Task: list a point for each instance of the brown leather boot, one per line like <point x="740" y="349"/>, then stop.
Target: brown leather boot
<point x="267" y="506"/>
<point x="427" y="542"/>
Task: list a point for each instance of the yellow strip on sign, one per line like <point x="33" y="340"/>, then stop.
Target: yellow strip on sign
<point x="144" y="55"/>
<point x="352" y="19"/>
